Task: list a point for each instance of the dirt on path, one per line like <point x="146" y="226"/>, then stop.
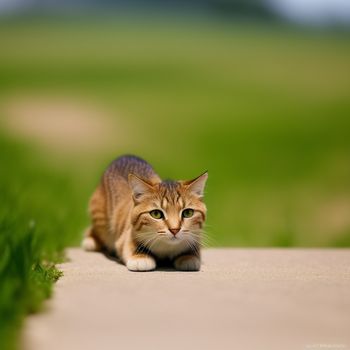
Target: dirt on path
<point x="61" y="124"/>
<point x="263" y="299"/>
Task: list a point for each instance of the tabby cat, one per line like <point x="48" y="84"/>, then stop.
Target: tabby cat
<point x="145" y="220"/>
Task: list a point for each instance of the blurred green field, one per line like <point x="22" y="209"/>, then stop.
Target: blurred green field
<point x="265" y="109"/>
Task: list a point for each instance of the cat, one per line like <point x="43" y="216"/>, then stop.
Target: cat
<point x="145" y="220"/>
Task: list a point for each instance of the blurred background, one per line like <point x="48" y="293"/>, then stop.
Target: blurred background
<point x="255" y="92"/>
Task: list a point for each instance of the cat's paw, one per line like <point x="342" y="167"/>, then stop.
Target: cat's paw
<point x="89" y="244"/>
<point x="187" y="263"/>
<point x="141" y="263"/>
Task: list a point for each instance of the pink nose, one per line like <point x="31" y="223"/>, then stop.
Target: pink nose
<point x="174" y="231"/>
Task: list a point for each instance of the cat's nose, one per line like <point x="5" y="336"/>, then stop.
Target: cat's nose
<point x="174" y="231"/>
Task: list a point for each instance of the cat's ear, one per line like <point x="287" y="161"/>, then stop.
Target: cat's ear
<point x="138" y="186"/>
<point x="197" y="185"/>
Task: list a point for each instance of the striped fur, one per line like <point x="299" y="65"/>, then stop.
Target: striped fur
<point x="120" y="211"/>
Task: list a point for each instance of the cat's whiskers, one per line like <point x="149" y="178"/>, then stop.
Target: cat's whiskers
<point x="199" y="241"/>
<point x="152" y="243"/>
<point x="141" y="236"/>
<point x="209" y="239"/>
<point x="209" y="236"/>
<point x="192" y="246"/>
<point x="200" y="238"/>
<point x="204" y="239"/>
<point x="143" y="243"/>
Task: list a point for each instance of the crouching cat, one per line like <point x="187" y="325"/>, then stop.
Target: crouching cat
<point x="144" y="219"/>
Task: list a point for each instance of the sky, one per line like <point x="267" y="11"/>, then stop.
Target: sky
<point x="316" y="12"/>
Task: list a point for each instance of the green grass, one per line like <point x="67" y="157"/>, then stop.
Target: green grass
<point x="264" y="109"/>
<point x="40" y="215"/>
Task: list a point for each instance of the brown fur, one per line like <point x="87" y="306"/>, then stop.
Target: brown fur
<point x="121" y="221"/>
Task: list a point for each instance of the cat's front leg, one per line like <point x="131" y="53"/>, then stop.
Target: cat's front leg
<point x="131" y="256"/>
<point x="189" y="262"/>
<point x="141" y="262"/>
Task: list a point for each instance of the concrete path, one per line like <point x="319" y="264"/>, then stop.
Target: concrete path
<point x="242" y="299"/>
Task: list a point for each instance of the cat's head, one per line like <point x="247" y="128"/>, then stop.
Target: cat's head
<point x="168" y="212"/>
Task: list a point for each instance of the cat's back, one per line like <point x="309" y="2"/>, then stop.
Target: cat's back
<point x="121" y="167"/>
<point x="114" y="190"/>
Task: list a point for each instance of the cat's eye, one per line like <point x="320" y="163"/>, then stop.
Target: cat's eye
<point x="187" y="213"/>
<point x="156" y="214"/>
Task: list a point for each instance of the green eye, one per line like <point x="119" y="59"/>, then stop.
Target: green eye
<point x="187" y="213"/>
<point x="156" y="214"/>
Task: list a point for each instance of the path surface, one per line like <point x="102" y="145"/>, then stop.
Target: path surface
<point x="242" y="299"/>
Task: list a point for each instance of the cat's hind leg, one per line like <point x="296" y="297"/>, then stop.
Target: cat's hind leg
<point x="89" y="242"/>
<point x="96" y="235"/>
